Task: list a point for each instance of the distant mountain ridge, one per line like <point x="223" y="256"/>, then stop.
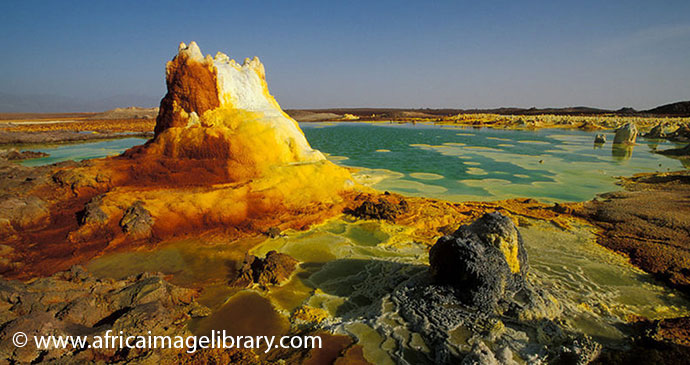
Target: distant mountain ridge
<point x="131" y="112"/>
<point x="10" y="103"/>
<point x="679" y="108"/>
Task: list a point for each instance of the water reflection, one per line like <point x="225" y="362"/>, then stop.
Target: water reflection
<point x="622" y="152"/>
<point x="599" y="141"/>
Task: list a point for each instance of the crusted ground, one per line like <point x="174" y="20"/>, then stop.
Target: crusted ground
<point x="649" y="222"/>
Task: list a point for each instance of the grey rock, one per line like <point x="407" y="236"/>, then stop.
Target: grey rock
<point x="471" y="284"/>
<point x="657" y="131"/>
<point x="681" y="134"/>
<point x="626" y="134"/>
<point x="486" y="260"/>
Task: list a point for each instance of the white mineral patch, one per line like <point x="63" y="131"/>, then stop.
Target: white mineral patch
<point x="244" y="88"/>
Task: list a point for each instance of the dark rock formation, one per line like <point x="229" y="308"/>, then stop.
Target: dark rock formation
<point x="486" y="261"/>
<point x="626" y="134"/>
<point x="273" y="232"/>
<point x="562" y="208"/>
<point x="681" y="108"/>
<point x="435" y="311"/>
<point x="626" y="110"/>
<point x="672" y="330"/>
<point x="274" y="269"/>
<point x="657" y="131"/>
<point x="589" y="126"/>
<point x="74" y="303"/>
<point x="600" y="138"/>
<point x="381" y="210"/>
<point x="137" y="220"/>
<point x="681" y="134"/>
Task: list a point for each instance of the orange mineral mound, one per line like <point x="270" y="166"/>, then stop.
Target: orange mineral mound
<point x="224" y="155"/>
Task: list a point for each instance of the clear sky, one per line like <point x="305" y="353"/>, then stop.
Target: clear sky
<point x="458" y="54"/>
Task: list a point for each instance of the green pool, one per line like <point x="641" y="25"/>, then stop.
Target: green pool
<point x="81" y="151"/>
<point x="484" y="164"/>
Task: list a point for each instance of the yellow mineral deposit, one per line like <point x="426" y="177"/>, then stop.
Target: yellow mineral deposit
<point x="224" y="154"/>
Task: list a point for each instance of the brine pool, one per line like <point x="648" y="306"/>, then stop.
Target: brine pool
<point x="80" y="151"/>
<point x="457" y="164"/>
<point x="461" y="164"/>
<point x="348" y="268"/>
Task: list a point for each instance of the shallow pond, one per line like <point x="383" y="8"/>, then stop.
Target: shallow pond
<point x="81" y="151"/>
<point x="457" y="164"/>
<point x="462" y="164"/>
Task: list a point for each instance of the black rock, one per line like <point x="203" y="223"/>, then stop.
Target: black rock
<point x="681" y="134"/>
<point x="657" y="131"/>
<point x="485" y="261"/>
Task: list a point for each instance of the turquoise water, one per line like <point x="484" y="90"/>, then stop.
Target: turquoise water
<point x="485" y="164"/>
<point x="81" y="151"/>
<point x="456" y="164"/>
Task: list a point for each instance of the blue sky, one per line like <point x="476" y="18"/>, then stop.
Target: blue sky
<point x="459" y="54"/>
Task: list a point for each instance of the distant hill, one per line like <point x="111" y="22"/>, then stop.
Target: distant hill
<point x="131" y="112"/>
<point x="681" y="108"/>
<point x="308" y="115"/>
<point x="676" y="109"/>
<point x="38" y="104"/>
<point x="311" y="116"/>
